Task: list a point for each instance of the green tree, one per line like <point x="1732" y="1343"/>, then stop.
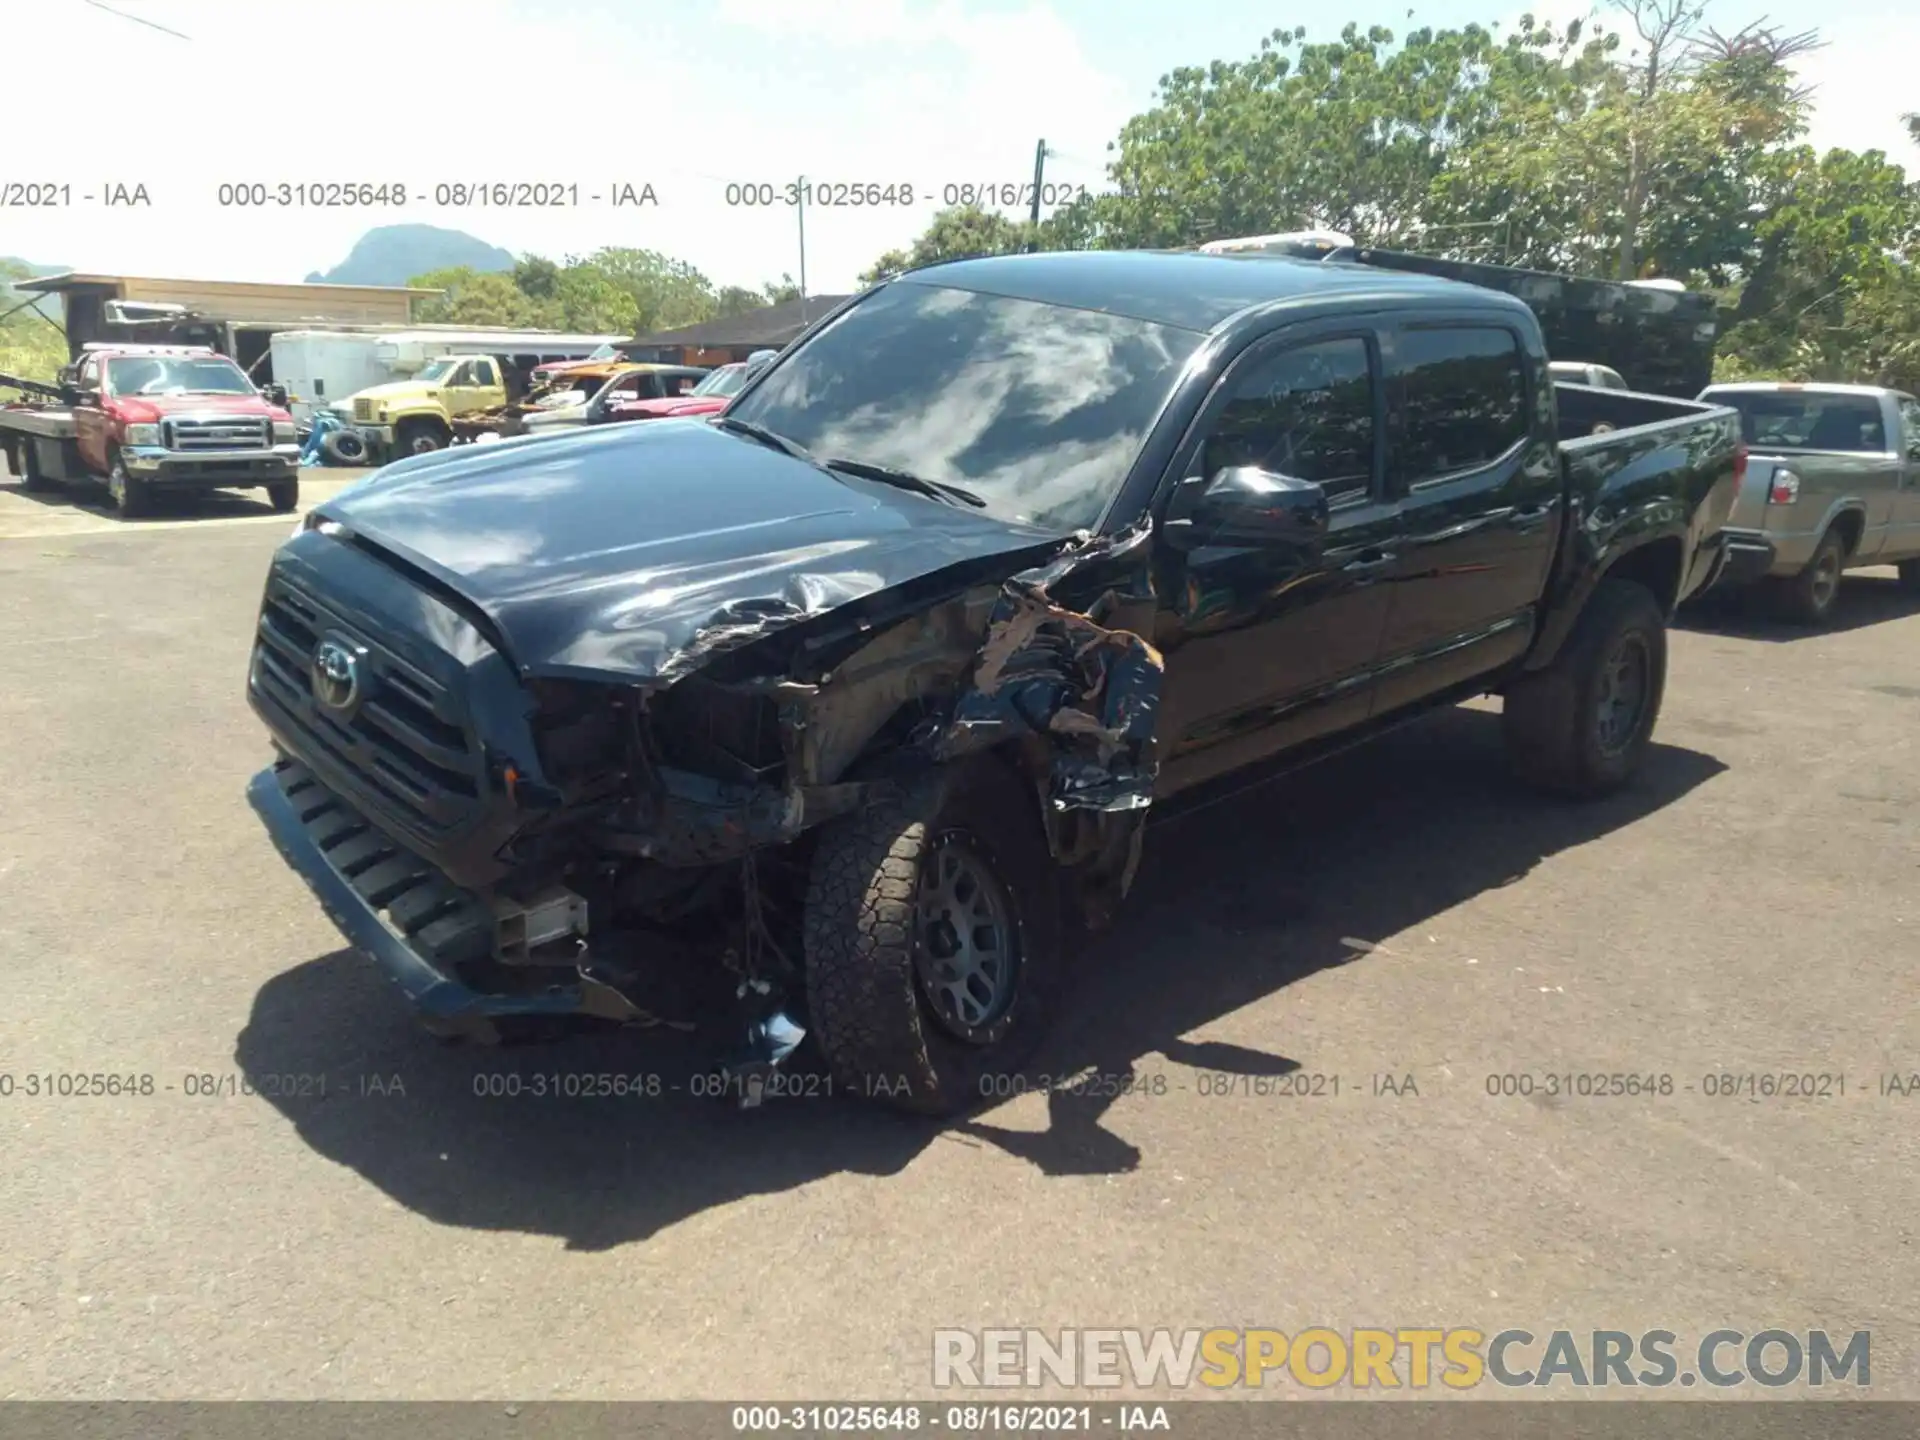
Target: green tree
<point x="666" y="293"/>
<point x="474" y="298"/>
<point x="31" y="345"/>
<point x="537" y="277"/>
<point x="781" y="291"/>
<point x="959" y="231"/>
<point x="1833" y="293"/>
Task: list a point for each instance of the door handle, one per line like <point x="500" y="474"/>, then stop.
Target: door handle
<point x="1528" y="517"/>
<point x="1368" y="562"/>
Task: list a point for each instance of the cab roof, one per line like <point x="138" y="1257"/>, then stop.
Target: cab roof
<point x="1190" y="290"/>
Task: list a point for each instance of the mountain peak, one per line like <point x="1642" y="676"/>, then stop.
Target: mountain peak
<point x="394" y="254"/>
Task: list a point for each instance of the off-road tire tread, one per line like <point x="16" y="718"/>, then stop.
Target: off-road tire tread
<point x="1547" y="714"/>
<point x="858" y="931"/>
<point x="859" y="915"/>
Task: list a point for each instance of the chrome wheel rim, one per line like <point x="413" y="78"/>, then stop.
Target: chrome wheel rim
<point x="1825" y="582"/>
<point x="422" y="445"/>
<point x="117" y="484"/>
<point x="966" y="950"/>
<point x="1623" y="695"/>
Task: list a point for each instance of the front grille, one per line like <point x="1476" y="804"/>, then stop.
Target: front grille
<point x="363" y="410"/>
<point x="406" y="746"/>
<point x="217" y="432"/>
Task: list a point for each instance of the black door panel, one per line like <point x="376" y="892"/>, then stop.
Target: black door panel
<point x="1264" y="648"/>
<point x="1479" y="487"/>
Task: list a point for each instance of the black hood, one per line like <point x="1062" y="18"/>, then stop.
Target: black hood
<point x="639" y="550"/>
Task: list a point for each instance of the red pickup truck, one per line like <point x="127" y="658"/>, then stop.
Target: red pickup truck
<point x="150" y="418"/>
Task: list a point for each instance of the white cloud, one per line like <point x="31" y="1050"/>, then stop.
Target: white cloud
<point x="431" y="90"/>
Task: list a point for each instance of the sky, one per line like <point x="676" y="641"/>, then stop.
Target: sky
<point x="688" y="99"/>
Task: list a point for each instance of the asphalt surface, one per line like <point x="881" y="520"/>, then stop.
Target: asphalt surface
<point x="1404" y="912"/>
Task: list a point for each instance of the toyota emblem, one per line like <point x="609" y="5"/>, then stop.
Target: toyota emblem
<point x="336" y="675"/>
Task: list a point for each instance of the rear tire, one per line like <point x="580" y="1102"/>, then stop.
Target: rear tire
<point x="1581" y="727"/>
<point x="131" y="496"/>
<point x="283" y="495"/>
<point x="31" y="476"/>
<point x="419" y="437"/>
<point x="914" y="1005"/>
<point x="1810" y="597"/>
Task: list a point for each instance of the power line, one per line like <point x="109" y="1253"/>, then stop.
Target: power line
<point x="139" y="20"/>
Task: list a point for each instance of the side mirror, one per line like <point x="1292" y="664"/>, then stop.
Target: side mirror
<point x="1245" y="505"/>
<point x="759" y="360"/>
<point x="275" y="395"/>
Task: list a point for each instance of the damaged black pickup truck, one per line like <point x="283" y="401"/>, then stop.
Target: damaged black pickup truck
<point x="848" y="708"/>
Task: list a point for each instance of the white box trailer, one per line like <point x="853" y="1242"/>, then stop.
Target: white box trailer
<point x="326" y="367"/>
<point x="322" y="367"/>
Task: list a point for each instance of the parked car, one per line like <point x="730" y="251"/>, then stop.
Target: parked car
<point x="572" y="404"/>
<point x="709" y="397"/>
<point x="146" y="419"/>
<point x="857" y="707"/>
<point x="1833" y="485"/>
<point x="1574" y="372"/>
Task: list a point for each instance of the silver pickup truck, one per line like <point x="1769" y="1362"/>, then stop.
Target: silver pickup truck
<point x="1832" y="484"/>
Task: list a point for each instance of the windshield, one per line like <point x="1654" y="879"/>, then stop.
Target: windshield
<point x="1806" y="420"/>
<point x="605" y="352"/>
<point x="439" y="369"/>
<point x="727" y="380"/>
<point x="1040" y="409"/>
<point x="176" y="375"/>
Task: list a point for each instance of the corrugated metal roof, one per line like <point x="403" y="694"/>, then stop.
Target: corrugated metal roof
<point x="771" y="326"/>
<point x="80" y="280"/>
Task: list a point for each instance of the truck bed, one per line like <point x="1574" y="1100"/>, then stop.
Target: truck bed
<point x="47" y="423"/>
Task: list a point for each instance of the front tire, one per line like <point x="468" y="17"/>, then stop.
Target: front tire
<point x="933" y="940"/>
<point x="1910" y="576"/>
<point x="419" y="437"/>
<point x="1581" y="727"/>
<point x="1810" y="597"/>
<point x="283" y="495"/>
<point x="131" y="496"/>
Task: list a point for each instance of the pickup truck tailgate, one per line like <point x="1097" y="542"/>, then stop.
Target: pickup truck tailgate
<point x="1750" y="501"/>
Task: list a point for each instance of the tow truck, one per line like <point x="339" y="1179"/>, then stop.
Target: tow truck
<point x="150" y="418"/>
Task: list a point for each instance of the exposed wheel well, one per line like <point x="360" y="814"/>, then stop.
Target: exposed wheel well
<point x="1848" y="525"/>
<point x="1657" y="566"/>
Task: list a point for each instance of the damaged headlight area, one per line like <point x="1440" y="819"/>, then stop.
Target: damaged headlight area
<point x="658" y="836"/>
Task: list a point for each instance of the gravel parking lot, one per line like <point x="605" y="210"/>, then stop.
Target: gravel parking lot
<point x="1402" y="912"/>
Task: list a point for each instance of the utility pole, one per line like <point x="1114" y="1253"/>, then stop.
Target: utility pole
<point x="1033" y="218"/>
<point x="800" y="197"/>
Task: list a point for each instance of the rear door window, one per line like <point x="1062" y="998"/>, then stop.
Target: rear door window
<point x="1461" y="400"/>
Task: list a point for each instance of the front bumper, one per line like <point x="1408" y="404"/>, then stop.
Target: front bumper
<point x="1750" y="556"/>
<point x="378" y="908"/>
<point x="159" y="466"/>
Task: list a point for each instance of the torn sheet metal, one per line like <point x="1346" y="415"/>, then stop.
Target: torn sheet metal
<point x="1049" y="670"/>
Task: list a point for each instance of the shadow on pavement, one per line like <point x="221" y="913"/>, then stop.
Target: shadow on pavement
<point x="1746" y="614"/>
<point x="1234" y="902"/>
<point x="91" y="499"/>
